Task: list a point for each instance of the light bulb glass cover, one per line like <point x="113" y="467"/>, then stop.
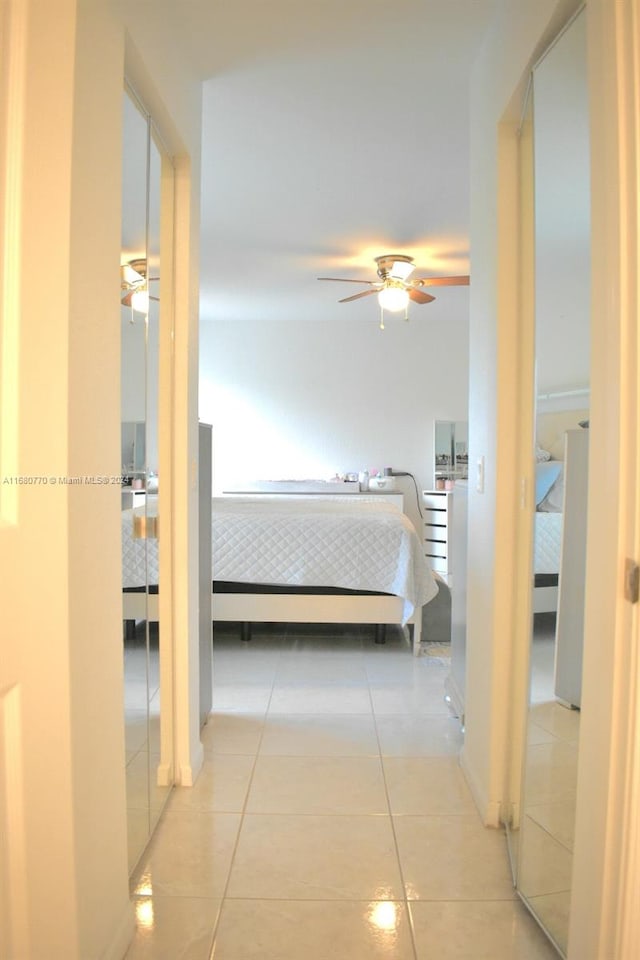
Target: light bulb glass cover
<point x="393" y="298"/>
<point x="140" y="300"/>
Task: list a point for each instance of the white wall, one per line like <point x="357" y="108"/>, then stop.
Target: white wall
<point x="309" y="400"/>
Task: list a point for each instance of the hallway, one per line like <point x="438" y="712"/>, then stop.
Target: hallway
<point x="331" y="819"/>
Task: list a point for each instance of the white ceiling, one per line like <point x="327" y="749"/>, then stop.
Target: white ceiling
<point x="334" y="131"/>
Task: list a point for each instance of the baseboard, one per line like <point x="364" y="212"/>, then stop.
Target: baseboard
<point x="164" y="775"/>
<point x="489" y="810"/>
<point x="122" y="935"/>
<point x="189" y="771"/>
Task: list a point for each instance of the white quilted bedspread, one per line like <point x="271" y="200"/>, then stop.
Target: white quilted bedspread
<point x="363" y="545"/>
<point x="548" y="539"/>
<point x="139" y="557"/>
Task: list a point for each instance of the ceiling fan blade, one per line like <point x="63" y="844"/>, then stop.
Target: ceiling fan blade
<point x="344" y="280"/>
<point x="419" y="297"/>
<point x="442" y="281"/>
<point x="356" y="296"/>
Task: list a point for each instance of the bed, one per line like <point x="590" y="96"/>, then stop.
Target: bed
<point x="302" y="559"/>
<point x="547" y="533"/>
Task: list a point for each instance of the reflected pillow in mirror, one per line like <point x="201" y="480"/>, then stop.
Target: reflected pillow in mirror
<point x="542" y="454"/>
<point x="546" y="475"/>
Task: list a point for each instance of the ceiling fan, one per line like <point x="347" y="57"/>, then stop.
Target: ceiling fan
<point x="394" y="288"/>
<point x="134" y="285"/>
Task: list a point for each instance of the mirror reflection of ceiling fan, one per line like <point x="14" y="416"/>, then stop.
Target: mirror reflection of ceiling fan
<point x="394" y="288"/>
<point x="134" y="283"/>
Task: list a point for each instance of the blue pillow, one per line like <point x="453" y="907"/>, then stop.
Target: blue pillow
<point x="546" y="475"/>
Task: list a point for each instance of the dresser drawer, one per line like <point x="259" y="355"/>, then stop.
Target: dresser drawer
<point x="435" y="516"/>
<point x="439" y="564"/>
<point x="435" y="501"/>
<point x="436" y="542"/>
<point x="437" y="513"/>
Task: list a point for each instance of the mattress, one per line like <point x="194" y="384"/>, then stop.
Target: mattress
<point x="547" y="543"/>
<point x="314" y="541"/>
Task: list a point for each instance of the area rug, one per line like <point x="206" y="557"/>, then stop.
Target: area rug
<point x="436" y="651"/>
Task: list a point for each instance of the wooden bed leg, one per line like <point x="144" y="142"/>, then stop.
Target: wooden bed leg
<point x="381" y="633"/>
<point x="245" y="633"/>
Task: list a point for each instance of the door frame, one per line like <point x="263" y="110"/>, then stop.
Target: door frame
<point x="605" y="917"/>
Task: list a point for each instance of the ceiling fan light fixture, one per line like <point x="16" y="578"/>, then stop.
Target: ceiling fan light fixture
<point x="128" y="276"/>
<point x="401" y="269"/>
<point x="393" y="297"/>
<point x="140" y="300"/>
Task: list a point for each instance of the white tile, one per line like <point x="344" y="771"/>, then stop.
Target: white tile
<point x="322" y="638"/>
<point x="553" y="911"/>
<point x="222" y="785"/>
<point x="419" y="736"/>
<point x="557" y="819"/>
<point x="559" y="720"/>
<point x="551" y="772"/>
<point x="413" y="699"/>
<point x="330" y="785"/>
<point x="315" y="858"/>
<point x="241" y="697"/>
<point x="137" y="834"/>
<point x="321" y="698"/>
<point x="452" y="858"/>
<point x="250" y="670"/>
<point x="238" y="733"/>
<point x="303" y="670"/>
<point x="135" y="731"/>
<point x="427" y="786"/>
<point x="314" y="733"/>
<point x="403" y="666"/>
<point x="319" y="735"/>
<point x="313" y="930"/>
<point x="173" y="928"/>
<point x="190" y="855"/>
<point x="537" y="734"/>
<point x="544" y="863"/>
<point x="468" y="930"/>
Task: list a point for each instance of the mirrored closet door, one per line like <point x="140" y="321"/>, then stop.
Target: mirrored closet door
<point x="144" y="212"/>
<point x="560" y="165"/>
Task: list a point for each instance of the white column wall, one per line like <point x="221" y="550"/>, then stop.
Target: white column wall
<point x="61" y="686"/>
<point x="519" y="33"/>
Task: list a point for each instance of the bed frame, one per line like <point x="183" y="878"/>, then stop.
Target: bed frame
<point x="545" y="594"/>
<point x="249" y="604"/>
<point x="246" y="608"/>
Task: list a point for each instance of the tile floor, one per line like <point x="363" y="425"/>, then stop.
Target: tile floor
<point x="549" y="797"/>
<point x="331" y="819"/>
<point x="145" y="799"/>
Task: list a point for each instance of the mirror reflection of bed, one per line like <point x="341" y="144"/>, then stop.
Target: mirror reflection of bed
<point x="561" y="473"/>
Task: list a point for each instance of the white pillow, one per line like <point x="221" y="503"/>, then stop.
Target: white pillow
<point x="542" y="455"/>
